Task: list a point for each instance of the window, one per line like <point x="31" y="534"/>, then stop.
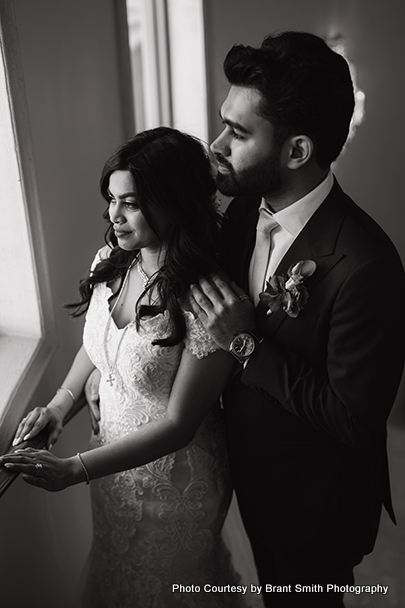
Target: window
<point x="26" y="317"/>
<point x="166" y="39"/>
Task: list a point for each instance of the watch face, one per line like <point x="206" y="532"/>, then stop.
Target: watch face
<point x="243" y="345"/>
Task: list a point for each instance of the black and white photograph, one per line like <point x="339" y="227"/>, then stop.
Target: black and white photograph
<point x="202" y="328"/>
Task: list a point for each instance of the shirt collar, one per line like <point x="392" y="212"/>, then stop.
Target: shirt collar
<point x="294" y="217"/>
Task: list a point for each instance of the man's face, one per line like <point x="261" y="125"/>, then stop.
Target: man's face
<point x="248" y="160"/>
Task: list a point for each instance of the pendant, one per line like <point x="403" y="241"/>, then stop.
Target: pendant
<point x="111" y="379"/>
<point x="112" y="365"/>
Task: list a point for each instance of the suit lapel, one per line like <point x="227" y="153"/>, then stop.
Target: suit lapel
<point x="317" y="242"/>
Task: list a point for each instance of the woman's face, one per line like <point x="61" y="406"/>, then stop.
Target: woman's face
<point x="129" y="223"/>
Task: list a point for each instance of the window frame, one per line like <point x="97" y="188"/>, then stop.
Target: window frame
<point x="174" y="89"/>
<point x="23" y="358"/>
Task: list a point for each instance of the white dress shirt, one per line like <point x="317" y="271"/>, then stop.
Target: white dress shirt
<point x="291" y="221"/>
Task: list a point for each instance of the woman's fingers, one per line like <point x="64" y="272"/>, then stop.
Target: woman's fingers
<point x="24" y="454"/>
<point x="53" y="436"/>
<point x="23" y="428"/>
<point x="40" y="468"/>
<point x="91" y="388"/>
<point x="21" y="467"/>
<point x="31" y="471"/>
<point x="29" y="461"/>
<point x="26" y="428"/>
<point x="35" y="422"/>
<point x="39" y="424"/>
<point x="55" y="427"/>
<point x="26" y="451"/>
<point x="94" y="413"/>
<point x="23" y="461"/>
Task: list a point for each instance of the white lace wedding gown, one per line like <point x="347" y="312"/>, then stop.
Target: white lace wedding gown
<point x="160" y="524"/>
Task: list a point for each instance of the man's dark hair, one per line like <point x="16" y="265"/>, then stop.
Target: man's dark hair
<point x="306" y="88"/>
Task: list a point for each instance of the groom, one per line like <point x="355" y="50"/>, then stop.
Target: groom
<point x="321" y="356"/>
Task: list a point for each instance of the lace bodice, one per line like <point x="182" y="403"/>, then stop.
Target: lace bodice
<point x="136" y="375"/>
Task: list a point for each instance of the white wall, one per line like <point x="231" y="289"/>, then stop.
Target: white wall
<point x="70" y="62"/>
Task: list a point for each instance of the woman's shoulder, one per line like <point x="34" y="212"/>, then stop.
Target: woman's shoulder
<point x="184" y="303"/>
<point x="102" y="254"/>
<point x="198" y="341"/>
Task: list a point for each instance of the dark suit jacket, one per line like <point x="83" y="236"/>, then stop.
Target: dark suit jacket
<point x="307" y="416"/>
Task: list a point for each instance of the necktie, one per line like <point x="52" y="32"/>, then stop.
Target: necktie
<point x="261" y="253"/>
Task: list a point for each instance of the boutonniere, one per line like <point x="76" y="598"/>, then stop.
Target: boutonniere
<point x="287" y="291"/>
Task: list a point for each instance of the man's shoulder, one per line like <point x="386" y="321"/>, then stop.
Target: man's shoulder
<point x="362" y="233"/>
<point x="343" y="227"/>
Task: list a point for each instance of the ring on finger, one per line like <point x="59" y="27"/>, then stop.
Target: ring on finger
<point x="243" y="297"/>
<point x="38" y="465"/>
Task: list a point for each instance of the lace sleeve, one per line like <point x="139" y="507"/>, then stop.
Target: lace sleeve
<point x="101" y="254"/>
<point x="197" y="340"/>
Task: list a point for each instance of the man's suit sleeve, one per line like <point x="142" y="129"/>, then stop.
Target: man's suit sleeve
<point x="352" y="396"/>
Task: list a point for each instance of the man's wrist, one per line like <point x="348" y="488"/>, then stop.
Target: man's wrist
<point x="244" y="343"/>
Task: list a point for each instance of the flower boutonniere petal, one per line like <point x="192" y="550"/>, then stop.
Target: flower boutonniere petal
<point x="287" y="291"/>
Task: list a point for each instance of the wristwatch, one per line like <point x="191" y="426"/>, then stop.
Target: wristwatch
<point x="243" y="345"/>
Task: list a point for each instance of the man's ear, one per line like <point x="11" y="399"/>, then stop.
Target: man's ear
<point x="299" y="151"/>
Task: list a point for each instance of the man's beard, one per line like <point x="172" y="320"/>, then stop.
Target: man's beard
<point x="263" y="179"/>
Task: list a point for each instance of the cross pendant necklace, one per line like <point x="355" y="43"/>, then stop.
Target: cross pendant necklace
<point x="111" y="378"/>
<point x="112" y="365"/>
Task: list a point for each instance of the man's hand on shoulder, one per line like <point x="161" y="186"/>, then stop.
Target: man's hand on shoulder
<point x="223" y="309"/>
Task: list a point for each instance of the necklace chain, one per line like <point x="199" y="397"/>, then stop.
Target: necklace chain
<point x="112" y="365"/>
<point x="141" y="271"/>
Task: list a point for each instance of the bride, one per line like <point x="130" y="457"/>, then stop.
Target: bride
<point x="160" y="481"/>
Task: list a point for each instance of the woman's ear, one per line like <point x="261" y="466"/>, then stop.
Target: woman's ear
<point x="300" y="150"/>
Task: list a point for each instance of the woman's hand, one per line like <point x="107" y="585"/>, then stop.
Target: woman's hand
<point x="38" y="419"/>
<point x="43" y="469"/>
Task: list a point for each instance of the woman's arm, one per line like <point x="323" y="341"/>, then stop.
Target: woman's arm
<point x="54" y="413"/>
<point x="198" y="384"/>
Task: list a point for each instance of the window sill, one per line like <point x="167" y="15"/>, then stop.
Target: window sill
<point x="22" y="363"/>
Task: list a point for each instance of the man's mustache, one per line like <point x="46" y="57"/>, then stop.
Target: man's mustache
<point x="222" y="161"/>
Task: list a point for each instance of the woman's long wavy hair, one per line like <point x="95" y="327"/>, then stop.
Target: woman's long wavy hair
<point x="173" y="182"/>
